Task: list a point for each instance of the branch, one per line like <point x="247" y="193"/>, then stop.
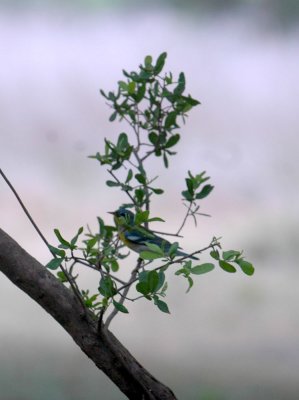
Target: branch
<point x="102" y="347"/>
<point x="176" y="261"/>
<point x="124" y="294"/>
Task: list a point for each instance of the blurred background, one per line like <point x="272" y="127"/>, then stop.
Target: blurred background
<point x="233" y="336"/>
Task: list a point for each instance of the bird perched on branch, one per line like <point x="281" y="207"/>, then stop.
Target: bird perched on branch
<point x="137" y="237"/>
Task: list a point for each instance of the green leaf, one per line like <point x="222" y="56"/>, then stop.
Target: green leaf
<point x="192" y="102"/>
<point x="65" y="244"/>
<point x="181" y="85"/>
<point x="227" y="266"/>
<point x="62" y="277"/>
<point x="182" y="271"/>
<point x="58" y="252"/>
<point x="186" y="194"/>
<point x="149" y="255"/>
<point x="122" y="142"/>
<point x="107" y="287"/>
<point x="93" y="297"/>
<point x="170" y="120"/>
<point x="161" y="281"/>
<point x="168" y="78"/>
<point x="157" y="190"/>
<point x="112" y="183"/>
<point x="160" y="63"/>
<point x="131" y="87"/>
<point x="157" y="219"/>
<point x="142" y="287"/>
<point x="188" y="265"/>
<point x="173" y="249"/>
<point x="165" y="160"/>
<point x="142" y="276"/>
<point x="140" y="178"/>
<point x="202" y="268"/>
<point x="120" y="307"/>
<point x="155" y="248"/>
<point x="129" y="176"/>
<point x="153" y="281"/>
<point x="144" y="76"/>
<point x="139" y="193"/>
<point x="230" y="254"/>
<point x="103" y="93"/>
<point x="111" y="96"/>
<point x="161" y="305"/>
<point x="141" y="217"/>
<point x="75" y="238"/>
<point x="113" y="116"/>
<point x="215" y="254"/>
<point x="54" y="263"/>
<point x="164" y="289"/>
<point x="205" y="191"/>
<point x="148" y="61"/>
<point x="190" y="281"/>
<point x="90" y="243"/>
<point x="190" y="186"/>
<point x="114" y="265"/>
<point x="246" y="267"/>
<point x="122" y="85"/>
<point x="153" y="137"/>
<point x="172" y="141"/>
<point x="140" y="92"/>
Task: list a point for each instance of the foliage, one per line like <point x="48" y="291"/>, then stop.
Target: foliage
<point x="154" y="105"/>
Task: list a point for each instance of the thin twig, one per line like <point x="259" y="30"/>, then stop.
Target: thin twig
<point x="145" y="187"/>
<point x="25" y="210"/>
<point x="86" y="264"/>
<point x="185" y="219"/>
<point x="69" y="278"/>
<point x="124" y="294"/>
<point x="149" y="153"/>
<point x="118" y="181"/>
<point x="167" y="234"/>
<point x="74" y="286"/>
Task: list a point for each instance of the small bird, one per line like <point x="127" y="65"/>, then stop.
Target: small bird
<point x="136" y="237"/>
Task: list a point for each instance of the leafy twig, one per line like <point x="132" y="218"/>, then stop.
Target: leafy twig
<point x="178" y="260"/>
<point x="126" y="288"/>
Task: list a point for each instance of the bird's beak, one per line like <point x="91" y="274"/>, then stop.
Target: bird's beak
<point x="111" y="212"/>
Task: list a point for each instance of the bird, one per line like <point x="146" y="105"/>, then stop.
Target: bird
<point x="137" y="237"/>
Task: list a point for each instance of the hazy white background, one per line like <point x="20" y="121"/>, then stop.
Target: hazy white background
<point x="232" y="337"/>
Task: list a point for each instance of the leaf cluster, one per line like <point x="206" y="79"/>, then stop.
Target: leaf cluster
<point x="153" y="104"/>
<point x="231" y="257"/>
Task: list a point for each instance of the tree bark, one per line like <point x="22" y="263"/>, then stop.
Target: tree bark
<point x="102" y="347"/>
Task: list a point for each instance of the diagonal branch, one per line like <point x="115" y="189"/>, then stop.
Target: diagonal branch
<point x="102" y="348"/>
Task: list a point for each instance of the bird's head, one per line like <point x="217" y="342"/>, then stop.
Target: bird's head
<point x="123" y="216"/>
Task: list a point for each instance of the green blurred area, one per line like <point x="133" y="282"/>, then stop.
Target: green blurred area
<point x="286" y="12"/>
